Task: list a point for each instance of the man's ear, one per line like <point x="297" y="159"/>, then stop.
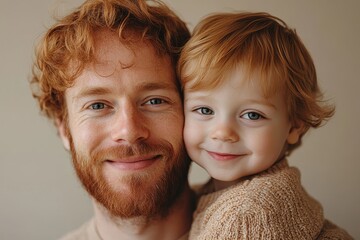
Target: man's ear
<point x="62" y="133"/>
<point x="295" y="133"/>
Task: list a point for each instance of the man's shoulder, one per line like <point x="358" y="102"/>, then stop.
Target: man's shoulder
<point x="84" y="232"/>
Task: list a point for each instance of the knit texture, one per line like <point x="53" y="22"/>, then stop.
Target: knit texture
<point x="270" y="205"/>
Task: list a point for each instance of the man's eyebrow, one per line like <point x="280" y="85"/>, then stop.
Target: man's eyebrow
<point x="146" y="86"/>
<point x="155" y="86"/>
<point x="92" y="91"/>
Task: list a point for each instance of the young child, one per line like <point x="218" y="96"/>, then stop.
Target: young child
<point x="250" y="94"/>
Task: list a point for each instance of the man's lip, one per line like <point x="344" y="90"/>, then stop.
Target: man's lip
<point x="223" y="156"/>
<point x="133" y="163"/>
<point x="133" y="159"/>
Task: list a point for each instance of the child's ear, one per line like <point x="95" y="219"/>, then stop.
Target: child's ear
<point x="62" y="133"/>
<point x="295" y="133"/>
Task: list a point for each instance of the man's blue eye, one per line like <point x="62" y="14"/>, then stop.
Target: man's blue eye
<point x="205" y="111"/>
<point x="156" y="101"/>
<point x="97" y="106"/>
<point x="252" y="116"/>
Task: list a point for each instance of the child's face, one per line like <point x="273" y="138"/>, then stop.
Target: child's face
<point x="234" y="131"/>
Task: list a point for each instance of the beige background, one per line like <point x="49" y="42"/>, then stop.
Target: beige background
<point x="40" y="197"/>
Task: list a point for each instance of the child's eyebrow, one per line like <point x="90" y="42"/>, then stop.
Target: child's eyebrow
<point x="245" y="102"/>
<point x="261" y="102"/>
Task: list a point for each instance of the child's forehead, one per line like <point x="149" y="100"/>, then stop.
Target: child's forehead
<point x="236" y="93"/>
<point x="270" y="78"/>
<point x="245" y="73"/>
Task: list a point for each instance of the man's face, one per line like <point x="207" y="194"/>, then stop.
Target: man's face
<point x="125" y="123"/>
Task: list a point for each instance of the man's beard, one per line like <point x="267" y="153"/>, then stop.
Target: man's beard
<point x="149" y="194"/>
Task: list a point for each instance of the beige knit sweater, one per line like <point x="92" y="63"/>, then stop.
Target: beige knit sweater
<point x="270" y="205"/>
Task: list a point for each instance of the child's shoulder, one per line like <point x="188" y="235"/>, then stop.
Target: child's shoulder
<point x="273" y="199"/>
<point x="255" y="192"/>
<point x="279" y="180"/>
<point x="277" y="188"/>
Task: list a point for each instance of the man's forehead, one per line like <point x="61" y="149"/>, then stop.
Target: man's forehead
<point x="111" y="52"/>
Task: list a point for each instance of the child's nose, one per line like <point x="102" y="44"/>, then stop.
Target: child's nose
<point x="225" y="133"/>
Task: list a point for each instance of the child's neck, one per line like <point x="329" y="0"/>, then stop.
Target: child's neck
<point x="220" y="185"/>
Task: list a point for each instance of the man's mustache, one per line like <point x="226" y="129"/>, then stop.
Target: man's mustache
<point x="127" y="151"/>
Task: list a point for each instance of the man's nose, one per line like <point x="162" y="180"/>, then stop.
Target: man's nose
<point x="225" y="132"/>
<point x="129" y="125"/>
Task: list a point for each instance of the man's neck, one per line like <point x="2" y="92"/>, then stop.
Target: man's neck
<point x="173" y="226"/>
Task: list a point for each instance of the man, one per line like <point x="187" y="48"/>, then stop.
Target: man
<point x="106" y="75"/>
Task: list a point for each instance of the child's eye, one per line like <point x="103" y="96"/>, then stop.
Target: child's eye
<point x="252" y="116"/>
<point x="204" y="111"/>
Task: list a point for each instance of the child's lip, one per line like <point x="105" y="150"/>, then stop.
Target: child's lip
<point x="223" y="156"/>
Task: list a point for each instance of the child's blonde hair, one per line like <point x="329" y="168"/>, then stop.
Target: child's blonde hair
<point x="260" y="43"/>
